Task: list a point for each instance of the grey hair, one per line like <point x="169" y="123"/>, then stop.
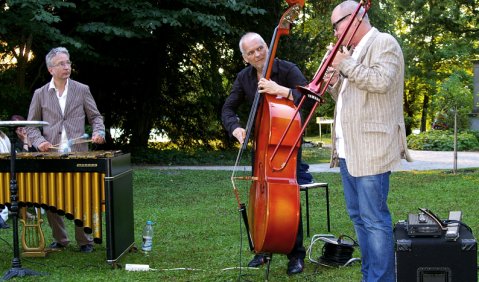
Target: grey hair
<point x="350" y="6"/>
<point x="248" y="35"/>
<point x="53" y="53"/>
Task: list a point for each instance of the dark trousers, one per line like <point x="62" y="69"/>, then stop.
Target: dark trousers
<point x="298" y="250"/>
<point x="59" y="231"/>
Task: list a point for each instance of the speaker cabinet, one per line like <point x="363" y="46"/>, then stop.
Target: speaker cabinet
<point x="435" y="259"/>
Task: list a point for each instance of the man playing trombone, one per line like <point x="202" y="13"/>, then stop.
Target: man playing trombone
<point x="369" y="137"/>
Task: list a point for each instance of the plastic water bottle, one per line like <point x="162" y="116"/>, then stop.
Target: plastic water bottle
<point x="147" y="238"/>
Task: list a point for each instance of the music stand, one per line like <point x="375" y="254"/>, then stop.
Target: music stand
<point x="17" y="269"/>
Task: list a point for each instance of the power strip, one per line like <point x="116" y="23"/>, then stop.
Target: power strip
<point x="137" y="267"/>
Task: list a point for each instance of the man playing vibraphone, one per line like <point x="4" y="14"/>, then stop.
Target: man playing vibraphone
<point x="64" y="104"/>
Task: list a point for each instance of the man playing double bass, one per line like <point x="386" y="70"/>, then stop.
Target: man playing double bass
<point x="285" y="77"/>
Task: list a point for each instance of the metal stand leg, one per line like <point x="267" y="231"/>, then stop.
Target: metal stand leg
<point x="328" y="219"/>
<point x="269" y="257"/>
<point x="307" y="210"/>
<point x="305" y="188"/>
<point x="16" y="270"/>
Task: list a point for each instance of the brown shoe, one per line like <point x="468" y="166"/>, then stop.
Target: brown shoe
<point x="88" y="248"/>
<point x="55" y="247"/>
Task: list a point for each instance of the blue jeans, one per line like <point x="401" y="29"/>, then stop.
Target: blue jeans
<point x="366" y="202"/>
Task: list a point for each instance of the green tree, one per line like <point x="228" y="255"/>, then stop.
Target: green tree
<point x="455" y="97"/>
<point x="169" y="64"/>
<point x="150" y="64"/>
<point x="170" y="79"/>
<point x="438" y="38"/>
<point x="23" y="25"/>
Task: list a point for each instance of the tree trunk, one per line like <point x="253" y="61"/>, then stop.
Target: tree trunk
<point x="425" y="108"/>
<point x="454" y="170"/>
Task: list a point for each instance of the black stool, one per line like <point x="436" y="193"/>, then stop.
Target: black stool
<point x="305" y="188"/>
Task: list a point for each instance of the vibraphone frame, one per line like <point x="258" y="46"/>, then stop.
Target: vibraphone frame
<point x="118" y="188"/>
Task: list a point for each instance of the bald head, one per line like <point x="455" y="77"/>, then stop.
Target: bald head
<point x="349" y="7"/>
<point x="341" y="15"/>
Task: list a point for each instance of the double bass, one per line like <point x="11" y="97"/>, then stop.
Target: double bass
<point x="273" y="214"/>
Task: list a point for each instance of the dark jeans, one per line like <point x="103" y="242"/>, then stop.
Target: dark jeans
<point x="298" y="250"/>
<point x="366" y="202"/>
<point x="303" y="176"/>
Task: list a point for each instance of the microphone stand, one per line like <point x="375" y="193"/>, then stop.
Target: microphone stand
<point x="17" y="270"/>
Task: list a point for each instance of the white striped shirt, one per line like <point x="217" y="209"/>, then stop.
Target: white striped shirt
<point x="338" y="129"/>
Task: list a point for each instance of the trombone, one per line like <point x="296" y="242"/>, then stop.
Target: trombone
<point x="317" y="87"/>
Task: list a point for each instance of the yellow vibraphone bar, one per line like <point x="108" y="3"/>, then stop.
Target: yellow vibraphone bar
<point x="79" y="196"/>
<point x="80" y="186"/>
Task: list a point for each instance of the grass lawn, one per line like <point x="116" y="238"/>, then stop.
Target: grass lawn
<point x="197" y="227"/>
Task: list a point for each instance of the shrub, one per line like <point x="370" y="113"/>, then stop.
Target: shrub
<point x="167" y="154"/>
<point x="443" y="140"/>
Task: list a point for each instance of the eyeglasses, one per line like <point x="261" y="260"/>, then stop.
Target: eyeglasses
<point x="62" y="64"/>
<point x="335" y="24"/>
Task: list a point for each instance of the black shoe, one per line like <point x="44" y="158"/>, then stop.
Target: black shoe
<point x="4" y="225"/>
<point x="55" y="246"/>
<point x="88" y="248"/>
<point x="295" y="266"/>
<point x="258" y="260"/>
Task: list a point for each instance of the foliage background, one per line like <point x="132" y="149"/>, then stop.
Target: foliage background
<point x="443" y="140"/>
<point x="167" y="66"/>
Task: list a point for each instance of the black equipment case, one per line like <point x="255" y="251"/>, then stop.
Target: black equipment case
<point x="435" y="259"/>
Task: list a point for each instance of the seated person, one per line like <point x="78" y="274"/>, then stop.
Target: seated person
<point x="22" y="144"/>
<point x="4" y="148"/>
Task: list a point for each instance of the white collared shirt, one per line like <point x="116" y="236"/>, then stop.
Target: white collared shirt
<point x="339" y="104"/>
<point x="62" y="100"/>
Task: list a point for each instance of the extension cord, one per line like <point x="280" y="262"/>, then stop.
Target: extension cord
<point x="137" y="267"/>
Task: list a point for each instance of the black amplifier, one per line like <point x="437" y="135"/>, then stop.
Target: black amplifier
<point x="435" y="259"/>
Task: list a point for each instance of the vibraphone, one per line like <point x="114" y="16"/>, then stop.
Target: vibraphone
<point x="80" y="186"/>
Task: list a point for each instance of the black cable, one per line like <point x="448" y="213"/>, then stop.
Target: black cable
<point x="7" y="243"/>
<point x="241" y="275"/>
<point x="241" y="245"/>
<point x="354" y="241"/>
